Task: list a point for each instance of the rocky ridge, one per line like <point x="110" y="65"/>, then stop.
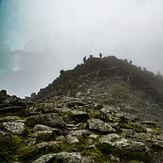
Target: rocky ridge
<point x="113" y="82"/>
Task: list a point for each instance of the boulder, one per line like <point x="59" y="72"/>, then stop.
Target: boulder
<point x="129" y="133"/>
<point x="48" y="146"/>
<point x="159" y="144"/>
<point x="73" y="157"/>
<point x="109" y="114"/>
<point x="114" y="140"/>
<point x="132" y="125"/>
<point x="14" y="127"/>
<point x="43" y="135"/>
<point x="79" y="94"/>
<point x="9" y="119"/>
<point x="121" y="147"/>
<point x="114" y="158"/>
<point x="93" y="136"/>
<point x="49" y="119"/>
<point x="100" y="126"/>
<point x="31" y="152"/>
<point x="45" y="158"/>
<point x="40" y="127"/>
<point x="61" y="138"/>
<point x="145" y="138"/>
<point x="72" y="139"/>
<point x="5" y="142"/>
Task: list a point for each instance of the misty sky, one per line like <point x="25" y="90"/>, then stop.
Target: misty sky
<point x="40" y="37"/>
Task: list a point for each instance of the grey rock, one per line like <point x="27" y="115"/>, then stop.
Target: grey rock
<point x="52" y="145"/>
<point x="159" y="144"/>
<point x="60" y="138"/>
<point x="93" y="136"/>
<point x="89" y="142"/>
<point x="9" y="119"/>
<point x="63" y="110"/>
<point x="5" y="141"/>
<point x="80" y="133"/>
<point x="144" y="137"/>
<point x="120" y="143"/>
<point x="73" y="157"/>
<point x="127" y="133"/>
<point x="41" y="135"/>
<point x="114" y="158"/>
<point x="99" y="125"/>
<point x="72" y="139"/>
<point x="14" y="127"/>
<point x="44" y="158"/>
<point x="79" y="94"/>
<point x="38" y="133"/>
<point x="40" y="127"/>
<point x="49" y="119"/>
<point x="109" y="114"/>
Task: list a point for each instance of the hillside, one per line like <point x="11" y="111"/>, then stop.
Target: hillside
<point x="112" y="81"/>
<point x="103" y="111"/>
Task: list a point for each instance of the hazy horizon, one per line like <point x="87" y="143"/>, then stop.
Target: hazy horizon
<point x="39" y="38"/>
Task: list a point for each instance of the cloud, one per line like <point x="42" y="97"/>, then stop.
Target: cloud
<point x="52" y="35"/>
<point x="31" y="70"/>
<point x="6" y="59"/>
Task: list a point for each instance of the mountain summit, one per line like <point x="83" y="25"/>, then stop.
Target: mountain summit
<point x="101" y="69"/>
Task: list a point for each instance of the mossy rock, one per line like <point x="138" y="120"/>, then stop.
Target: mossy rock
<point x="139" y="156"/>
<point x="26" y="132"/>
<point x="95" y="154"/>
<point x="45" y="136"/>
<point x="31" y="122"/>
<point x="135" y="126"/>
<point x="49" y="119"/>
<point x="17" y="142"/>
<point x="93" y="113"/>
<point x="125" y="154"/>
<point x="27" y="153"/>
<point x="5" y="143"/>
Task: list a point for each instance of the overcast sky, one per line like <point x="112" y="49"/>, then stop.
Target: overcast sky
<point x="40" y="37"/>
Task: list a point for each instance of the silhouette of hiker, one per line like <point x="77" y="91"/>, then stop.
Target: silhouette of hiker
<point x="84" y="59"/>
<point x="100" y="55"/>
<point x="91" y="56"/>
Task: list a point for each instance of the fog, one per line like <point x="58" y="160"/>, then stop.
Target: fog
<point x="38" y="38"/>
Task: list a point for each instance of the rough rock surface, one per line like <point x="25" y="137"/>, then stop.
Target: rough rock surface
<point x="49" y="119"/>
<point x="99" y="125"/>
<point x="14" y="127"/>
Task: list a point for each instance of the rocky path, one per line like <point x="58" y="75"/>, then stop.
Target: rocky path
<point x="73" y="131"/>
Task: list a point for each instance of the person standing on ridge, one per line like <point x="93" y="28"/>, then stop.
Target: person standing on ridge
<point x="84" y="59"/>
<point x="100" y="55"/>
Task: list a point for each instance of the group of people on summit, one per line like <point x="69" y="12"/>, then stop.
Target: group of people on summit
<point x="91" y="56"/>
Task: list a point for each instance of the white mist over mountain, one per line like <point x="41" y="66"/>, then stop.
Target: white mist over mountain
<point x="46" y="36"/>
